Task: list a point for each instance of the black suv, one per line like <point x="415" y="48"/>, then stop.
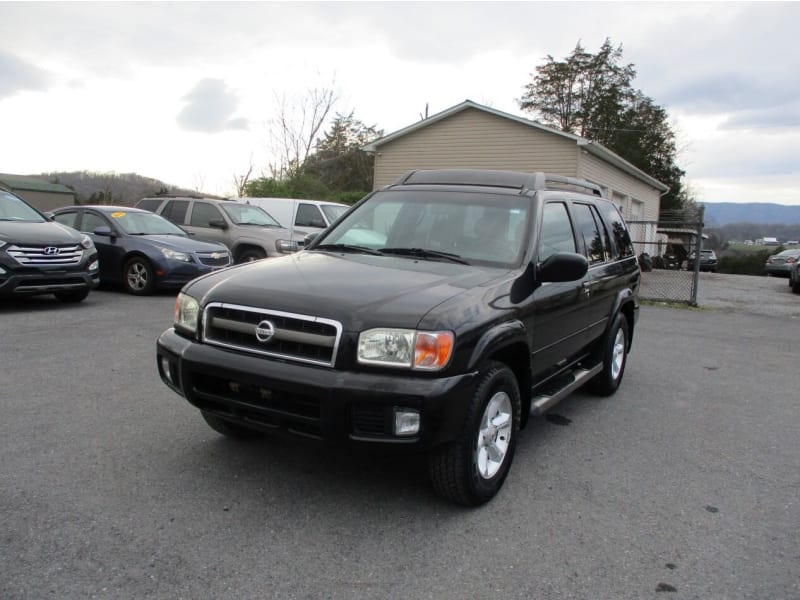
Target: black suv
<point x="38" y="256"/>
<point x="435" y="315"/>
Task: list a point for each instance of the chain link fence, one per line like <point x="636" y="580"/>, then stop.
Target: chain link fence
<point x="664" y="248"/>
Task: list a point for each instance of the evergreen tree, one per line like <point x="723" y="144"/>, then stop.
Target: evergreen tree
<point x="592" y="95"/>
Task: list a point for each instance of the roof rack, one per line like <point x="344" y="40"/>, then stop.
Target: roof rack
<point x="504" y="179"/>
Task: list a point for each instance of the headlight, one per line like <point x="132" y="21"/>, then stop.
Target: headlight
<point x="422" y="350"/>
<point x="286" y="246"/>
<point x="86" y="242"/>
<point x="182" y="256"/>
<point x="187" y="312"/>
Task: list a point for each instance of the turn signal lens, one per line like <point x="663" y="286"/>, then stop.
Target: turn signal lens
<point x="432" y="350"/>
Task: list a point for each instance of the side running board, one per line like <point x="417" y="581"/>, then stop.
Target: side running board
<point x="561" y="388"/>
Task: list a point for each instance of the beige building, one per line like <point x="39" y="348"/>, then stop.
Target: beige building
<point x="37" y="192"/>
<point x="473" y="136"/>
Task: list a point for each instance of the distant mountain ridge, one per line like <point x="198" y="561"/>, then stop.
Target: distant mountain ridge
<point x="114" y="188"/>
<point x="719" y="214"/>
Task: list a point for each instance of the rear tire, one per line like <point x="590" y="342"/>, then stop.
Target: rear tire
<point x="615" y="356"/>
<point x="472" y="469"/>
<point x="72" y="297"/>
<point x="228" y="429"/>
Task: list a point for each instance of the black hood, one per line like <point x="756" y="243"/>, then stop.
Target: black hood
<point x="359" y="291"/>
<point x="46" y="233"/>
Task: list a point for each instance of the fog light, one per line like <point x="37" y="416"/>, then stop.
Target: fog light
<point x="94" y="265"/>
<point x="406" y="421"/>
<point x="2" y="271"/>
<point x="165" y="369"/>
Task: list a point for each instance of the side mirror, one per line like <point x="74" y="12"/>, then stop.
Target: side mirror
<point x="104" y="230"/>
<point x="309" y="238"/>
<point x="563" y="266"/>
<point x="217" y="224"/>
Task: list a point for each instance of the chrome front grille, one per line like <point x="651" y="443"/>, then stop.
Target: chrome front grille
<point x="290" y="336"/>
<point x="214" y="259"/>
<point x="46" y="256"/>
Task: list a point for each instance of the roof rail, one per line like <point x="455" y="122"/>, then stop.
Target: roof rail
<point x="507" y="179"/>
<point x="549" y="181"/>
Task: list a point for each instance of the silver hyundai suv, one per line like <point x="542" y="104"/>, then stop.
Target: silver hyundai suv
<point x="248" y="231"/>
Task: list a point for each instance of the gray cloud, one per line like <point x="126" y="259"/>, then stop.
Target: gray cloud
<point x="210" y="106"/>
<point x="739" y="60"/>
<point x="16" y="76"/>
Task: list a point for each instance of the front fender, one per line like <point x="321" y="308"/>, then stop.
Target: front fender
<point x="496" y="338"/>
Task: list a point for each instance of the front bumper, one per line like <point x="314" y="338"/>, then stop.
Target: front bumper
<point x="31" y="281"/>
<point x="318" y="402"/>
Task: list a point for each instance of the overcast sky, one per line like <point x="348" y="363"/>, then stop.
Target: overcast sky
<point x="184" y="92"/>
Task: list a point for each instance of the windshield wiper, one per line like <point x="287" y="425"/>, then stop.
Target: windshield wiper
<point x="423" y="253"/>
<point x="347" y="248"/>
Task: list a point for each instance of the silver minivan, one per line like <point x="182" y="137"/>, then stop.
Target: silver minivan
<point x="248" y="231"/>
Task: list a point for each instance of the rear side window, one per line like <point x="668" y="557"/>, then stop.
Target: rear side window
<point x="308" y="215"/>
<point x="66" y="218"/>
<point x="619" y="233"/>
<point x="203" y="213"/>
<point x="91" y="221"/>
<point x="175" y="211"/>
<point x="150" y="204"/>
<point x="557" y="233"/>
<point x="590" y="230"/>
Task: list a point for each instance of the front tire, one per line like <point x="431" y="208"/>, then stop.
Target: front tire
<point x="472" y="469"/>
<point x="615" y="356"/>
<point x="138" y="277"/>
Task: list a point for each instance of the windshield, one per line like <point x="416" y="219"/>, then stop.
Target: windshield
<point x="472" y="227"/>
<point x="145" y="223"/>
<point x="333" y="212"/>
<point x="247" y="214"/>
<point x="15" y="209"/>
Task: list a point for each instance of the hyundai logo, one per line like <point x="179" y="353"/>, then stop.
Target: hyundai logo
<point x="264" y="331"/>
<point x="52" y="250"/>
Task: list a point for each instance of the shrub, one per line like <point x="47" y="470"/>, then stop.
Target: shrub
<point x="745" y="263"/>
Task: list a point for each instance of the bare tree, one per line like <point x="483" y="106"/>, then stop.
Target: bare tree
<point x="296" y="128"/>
<point x="199" y="181"/>
<point x="240" y="181"/>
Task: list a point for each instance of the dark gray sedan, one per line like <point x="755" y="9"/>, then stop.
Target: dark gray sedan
<point x="781" y="263"/>
<point x="142" y="250"/>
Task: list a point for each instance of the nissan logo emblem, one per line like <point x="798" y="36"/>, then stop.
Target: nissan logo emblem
<point x="264" y="331"/>
<point x="51" y="250"/>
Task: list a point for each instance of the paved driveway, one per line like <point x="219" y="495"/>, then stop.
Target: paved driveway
<point x="685" y="484"/>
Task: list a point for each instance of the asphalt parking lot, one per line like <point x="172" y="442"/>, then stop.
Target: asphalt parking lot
<point x="685" y="484"/>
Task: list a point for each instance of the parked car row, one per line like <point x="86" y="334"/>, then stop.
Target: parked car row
<point x="162" y="243"/>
